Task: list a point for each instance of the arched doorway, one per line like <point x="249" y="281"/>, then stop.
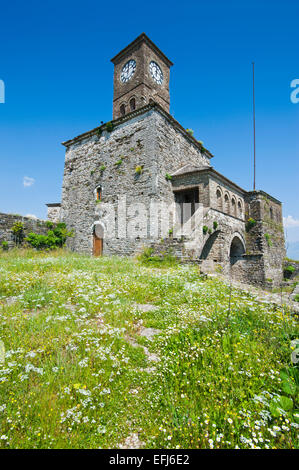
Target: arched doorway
<point x="98" y="236"/>
<point x="237" y="249"/>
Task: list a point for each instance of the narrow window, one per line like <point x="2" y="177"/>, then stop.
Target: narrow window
<point x="271" y="213"/>
<point x="240" y="209"/>
<point x="234" y="207"/>
<point x="99" y="193"/>
<point x="122" y="110"/>
<point x="226" y="204"/>
<point x="219" y="200"/>
<point x="132" y="104"/>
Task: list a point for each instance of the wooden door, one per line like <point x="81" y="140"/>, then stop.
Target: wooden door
<point x="97" y="246"/>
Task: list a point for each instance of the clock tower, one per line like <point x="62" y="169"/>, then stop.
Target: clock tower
<point x="141" y="74"/>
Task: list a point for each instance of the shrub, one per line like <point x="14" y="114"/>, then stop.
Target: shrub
<point x="215" y="225"/>
<point x="291" y="269"/>
<point x="296" y="298"/>
<point x="288" y="271"/>
<point x="55" y="238"/>
<point x="4" y="246"/>
<point x="147" y="257"/>
<point x="102" y="168"/>
<point x="109" y="126"/>
<point x="210" y="230"/>
<point x="205" y="229"/>
<point x="250" y="224"/>
<point x="49" y="224"/>
<point x="168" y="177"/>
<point x="138" y="170"/>
<point x="268" y="239"/>
<point x="119" y="162"/>
<point x="190" y="131"/>
<point x="18" y="232"/>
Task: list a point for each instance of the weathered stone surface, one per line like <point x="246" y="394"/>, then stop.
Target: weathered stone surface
<point x="152" y="140"/>
<point x="30" y="225"/>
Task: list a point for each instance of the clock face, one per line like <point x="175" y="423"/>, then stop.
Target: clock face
<point x="156" y="72"/>
<point x="128" y="70"/>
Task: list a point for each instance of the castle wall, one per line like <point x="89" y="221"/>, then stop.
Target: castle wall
<point x="30" y="225"/>
<point x="148" y="141"/>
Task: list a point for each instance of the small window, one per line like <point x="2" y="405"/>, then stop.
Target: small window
<point x="240" y="212"/>
<point x="226" y="204"/>
<point x="271" y="213"/>
<point x="132" y="104"/>
<point x="234" y="207"/>
<point x="122" y="110"/>
<point x="99" y="193"/>
<point x="219" y="200"/>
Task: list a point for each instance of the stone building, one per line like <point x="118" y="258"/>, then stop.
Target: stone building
<point x="140" y="179"/>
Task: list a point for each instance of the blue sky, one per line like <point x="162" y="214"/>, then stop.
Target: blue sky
<point x="55" y="63"/>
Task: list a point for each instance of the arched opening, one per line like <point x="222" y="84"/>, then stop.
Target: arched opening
<point x="98" y="237"/>
<point x="132" y="104"/>
<point x="98" y="193"/>
<point x="271" y="213"/>
<point x="234" y="207"/>
<point x="226" y="203"/>
<point x="219" y="200"/>
<point x="237" y="250"/>
<point x="122" y="110"/>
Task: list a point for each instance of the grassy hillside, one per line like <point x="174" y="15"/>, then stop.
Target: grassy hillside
<point x="109" y="352"/>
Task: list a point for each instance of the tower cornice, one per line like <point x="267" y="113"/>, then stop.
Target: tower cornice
<point x="142" y="38"/>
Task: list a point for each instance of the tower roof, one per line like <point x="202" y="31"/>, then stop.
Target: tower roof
<point x="142" y="38"/>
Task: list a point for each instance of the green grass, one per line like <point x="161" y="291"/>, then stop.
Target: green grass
<point x="72" y="379"/>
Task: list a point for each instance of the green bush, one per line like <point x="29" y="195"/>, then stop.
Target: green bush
<point x="138" y="170"/>
<point x="190" y="131"/>
<point x="147" y="257"/>
<point x="102" y="168"/>
<point x="215" y="225"/>
<point x="49" y="224"/>
<point x="250" y="224"/>
<point x="205" y="229"/>
<point x="55" y="238"/>
<point x="18" y="232"/>
<point x="4" y="246"/>
<point x="296" y="298"/>
<point x="290" y="269"/>
<point x="268" y="239"/>
<point x="109" y="126"/>
<point x="168" y="177"/>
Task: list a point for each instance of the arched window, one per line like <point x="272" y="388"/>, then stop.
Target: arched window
<point x="132" y="104"/>
<point x="98" y="193"/>
<point x="219" y="200"/>
<point x="240" y="212"/>
<point x="226" y="203"/>
<point x="234" y="207"/>
<point x="122" y="110"/>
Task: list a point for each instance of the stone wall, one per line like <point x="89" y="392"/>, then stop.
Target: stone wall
<point x="267" y="236"/>
<point x="54" y="212"/>
<point x="30" y="225"/>
<point x="150" y="141"/>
